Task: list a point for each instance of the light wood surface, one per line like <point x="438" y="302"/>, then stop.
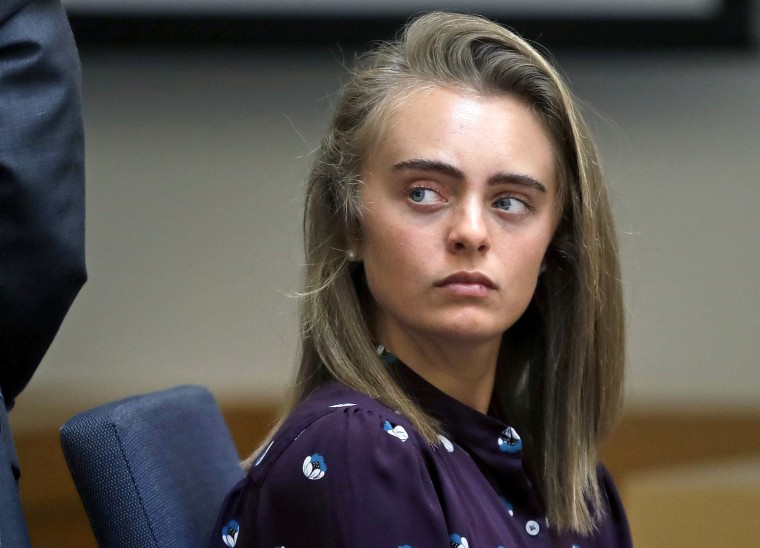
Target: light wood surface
<point x="712" y="504"/>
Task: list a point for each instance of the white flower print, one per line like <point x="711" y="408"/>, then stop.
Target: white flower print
<point x="314" y="467"/>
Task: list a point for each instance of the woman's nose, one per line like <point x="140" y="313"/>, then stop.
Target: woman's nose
<point x="469" y="231"/>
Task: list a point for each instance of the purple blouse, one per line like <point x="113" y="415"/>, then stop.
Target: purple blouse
<point x="346" y="471"/>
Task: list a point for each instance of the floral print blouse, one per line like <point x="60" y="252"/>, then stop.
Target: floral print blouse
<point x="345" y="471"/>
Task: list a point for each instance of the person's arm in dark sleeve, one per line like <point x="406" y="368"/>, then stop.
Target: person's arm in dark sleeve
<point x="41" y="184"/>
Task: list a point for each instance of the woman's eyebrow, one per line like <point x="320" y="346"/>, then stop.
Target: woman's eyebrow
<point x="419" y="164"/>
<point x="517" y="179"/>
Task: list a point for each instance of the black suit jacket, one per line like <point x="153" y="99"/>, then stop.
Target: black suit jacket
<point x="41" y="207"/>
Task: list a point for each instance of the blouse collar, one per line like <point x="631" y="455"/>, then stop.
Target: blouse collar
<point x="470" y="428"/>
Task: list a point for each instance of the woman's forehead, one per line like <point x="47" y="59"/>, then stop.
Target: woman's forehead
<point x="451" y="126"/>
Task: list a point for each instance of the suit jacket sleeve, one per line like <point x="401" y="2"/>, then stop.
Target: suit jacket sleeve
<point x="41" y="184"/>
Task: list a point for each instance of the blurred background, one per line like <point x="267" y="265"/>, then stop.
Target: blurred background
<point x="201" y="120"/>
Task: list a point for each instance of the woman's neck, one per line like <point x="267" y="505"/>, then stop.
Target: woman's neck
<point x="466" y="372"/>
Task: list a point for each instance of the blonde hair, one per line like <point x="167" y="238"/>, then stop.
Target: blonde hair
<point x="560" y="373"/>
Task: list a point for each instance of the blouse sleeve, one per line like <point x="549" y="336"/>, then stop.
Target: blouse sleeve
<point x="351" y="478"/>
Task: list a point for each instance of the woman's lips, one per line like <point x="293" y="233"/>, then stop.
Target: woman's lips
<point x="467" y="284"/>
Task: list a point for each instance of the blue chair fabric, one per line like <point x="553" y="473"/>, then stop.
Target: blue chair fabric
<point x="152" y="470"/>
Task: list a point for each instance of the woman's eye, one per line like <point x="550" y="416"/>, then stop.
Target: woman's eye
<point x="423" y="195"/>
<point x="512" y="205"/>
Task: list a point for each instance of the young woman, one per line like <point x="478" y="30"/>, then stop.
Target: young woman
<point x="462" y="343"/>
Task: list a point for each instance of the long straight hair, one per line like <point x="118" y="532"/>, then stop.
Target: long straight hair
<point x="560" y="371"/>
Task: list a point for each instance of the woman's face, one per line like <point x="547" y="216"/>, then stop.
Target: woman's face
<point x="460" y="203"/>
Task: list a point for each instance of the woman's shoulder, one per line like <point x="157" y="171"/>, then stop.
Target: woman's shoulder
<point x="343" y="470"/>
<point x="337" y="423"/>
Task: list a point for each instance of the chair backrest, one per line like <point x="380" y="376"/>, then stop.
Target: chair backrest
<point x="152" y="470"/>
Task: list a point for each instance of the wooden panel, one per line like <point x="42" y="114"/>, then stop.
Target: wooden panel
<point x="646" y="440"/>
<point x="54" y="513"/>
<point x="716" y="505"/>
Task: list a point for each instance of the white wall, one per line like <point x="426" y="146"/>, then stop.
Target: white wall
<point x="682" y="154"/>
<point x="196" y="163"/>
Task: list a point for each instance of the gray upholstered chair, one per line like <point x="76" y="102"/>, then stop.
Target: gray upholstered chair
<point x="152" y="470"/>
